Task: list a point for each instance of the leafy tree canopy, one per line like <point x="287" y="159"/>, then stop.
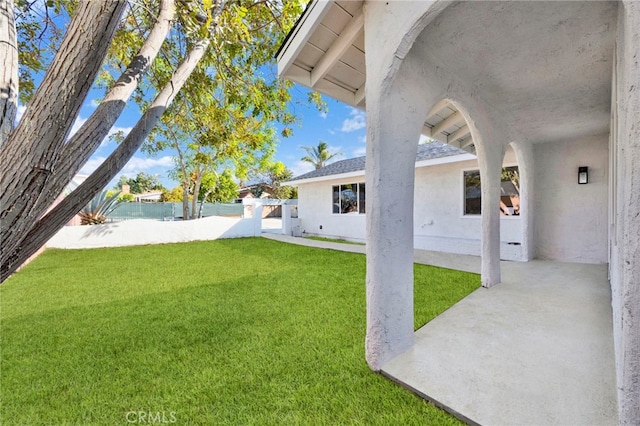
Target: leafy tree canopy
<point x="212" y="57"/>
<point x="142" y="183"/>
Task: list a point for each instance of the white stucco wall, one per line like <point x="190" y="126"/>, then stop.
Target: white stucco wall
<point x="625" y="256"/>
<point x="146" y="231"/>
<point x="439" y="222"/>
<point x="571" y="219"/>
<point x="315" y="210"/>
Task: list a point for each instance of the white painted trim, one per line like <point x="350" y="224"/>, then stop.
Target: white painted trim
<point x="445" y="160"/>
<point x="338" y="47"/>
<point x="310" y="21"/>
<point x="357" y="173"/>
<point x="462" y="198"/>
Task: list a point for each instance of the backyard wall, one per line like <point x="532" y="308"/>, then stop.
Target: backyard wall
<point x="146" y="231"/>
<point x="571" y="219"/>
<point x="439" y="222"/>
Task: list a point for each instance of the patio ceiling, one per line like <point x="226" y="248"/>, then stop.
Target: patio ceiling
<point x="325" y="52"/>
<point x="564" y="92"/>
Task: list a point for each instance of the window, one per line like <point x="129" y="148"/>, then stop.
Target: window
<point x="349" y="198"/>
<point x="509" y="192"/>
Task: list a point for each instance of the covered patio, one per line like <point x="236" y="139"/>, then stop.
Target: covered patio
<point x="552" y="342"/>
<point x="535" y="350"/>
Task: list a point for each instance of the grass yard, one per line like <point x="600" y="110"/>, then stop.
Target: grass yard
<point x="334" y="240"/>
<point x="239" y="332"/>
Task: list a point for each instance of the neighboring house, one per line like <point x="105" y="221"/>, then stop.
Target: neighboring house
<point x="250" y="191"/>
<point x="264" y="191"/>
<point x="332" y="203"/>
<point x="148" y="197"/>
<point x="556" y="81"/>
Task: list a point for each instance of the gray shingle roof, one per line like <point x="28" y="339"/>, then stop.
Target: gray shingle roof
<point x="426" y="151"/>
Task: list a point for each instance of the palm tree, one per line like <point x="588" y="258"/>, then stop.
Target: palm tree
<point x="319" y="155"/>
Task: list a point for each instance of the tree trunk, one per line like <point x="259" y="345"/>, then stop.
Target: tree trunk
<point x="8" y="70"/>
<point x="34" y="146"/>
<point x="196" y="193"/>
<point x="185" y="200"/>
<point x="46" y="227"/>
<point x="88" y="138"/>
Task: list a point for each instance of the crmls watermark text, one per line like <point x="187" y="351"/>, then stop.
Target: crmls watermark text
<point x="151" y="417"/>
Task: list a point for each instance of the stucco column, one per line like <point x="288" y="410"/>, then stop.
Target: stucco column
<point x="395" y="116"/>
<point x="490" y="147"/>
<point x="286" y="218"/>
<point x="257" y="218"/>
<point x="524" y="155"/>
<point x="625" y="280"/>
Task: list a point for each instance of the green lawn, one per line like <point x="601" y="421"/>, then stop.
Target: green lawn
<point x="334" y="240"/>
<point x="247" y="331"/>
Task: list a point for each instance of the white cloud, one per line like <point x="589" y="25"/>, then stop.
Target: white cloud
<point x="360" y="152"/>
<point x="76" y="125"/>
<point x="357" y="120"/>
<point x="323" y="114"/>
<point x="363" y="138"/>
<point x="80" y="121"/>
<point x="139" y="164"/>
<point x="300" y="168"/>
<point x="133" y="167"/>
<point x="91" y="165"/>
<point x="20" y="113"/>
<point x="95" y="103"/>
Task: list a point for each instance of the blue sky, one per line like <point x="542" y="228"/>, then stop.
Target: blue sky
<point x="342" y="127"/>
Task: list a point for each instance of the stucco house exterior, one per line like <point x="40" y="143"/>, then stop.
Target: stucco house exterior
<point x="447" y="205"/>
<point x="557" y="82"/>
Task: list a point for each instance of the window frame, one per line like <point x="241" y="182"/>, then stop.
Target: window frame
<point x="359" y="207"/>
<point x="463" y="198"/>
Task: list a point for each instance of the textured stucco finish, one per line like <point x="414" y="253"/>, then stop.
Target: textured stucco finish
<point x="625" y="277"/>
<point x="520" y="72"/>
<point x="146" y="231"/>
<point x="571" y="219"/>
<point x="439" y="223"/>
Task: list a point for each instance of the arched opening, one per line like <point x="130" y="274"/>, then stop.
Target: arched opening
<point x="448" y="196"/>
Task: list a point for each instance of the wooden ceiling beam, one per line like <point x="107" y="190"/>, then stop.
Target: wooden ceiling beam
<point x="338" y="48"/>
<point x="461" y="133"/>
<point x="453" y="119"/>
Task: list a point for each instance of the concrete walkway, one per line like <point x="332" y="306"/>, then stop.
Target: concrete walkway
<point x="536" y="349"/>
<point x="459" y="262"/>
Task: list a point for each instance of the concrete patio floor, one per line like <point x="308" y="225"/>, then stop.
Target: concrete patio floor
<point x="536" y="349"/>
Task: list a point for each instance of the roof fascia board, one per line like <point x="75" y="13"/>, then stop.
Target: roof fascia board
<point x="357" y="173"/>
<point x="445" y="160"/>
<point x="360" y="173"/>
<point x="296" y="42"/>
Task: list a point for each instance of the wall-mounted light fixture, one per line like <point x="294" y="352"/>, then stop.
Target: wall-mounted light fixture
<point x="583" y="175"/>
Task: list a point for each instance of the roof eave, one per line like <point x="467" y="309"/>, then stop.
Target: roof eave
<point x="300" y="34"/>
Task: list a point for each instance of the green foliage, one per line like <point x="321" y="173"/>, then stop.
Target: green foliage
<point x="272" y="178"/>
<point x="220" y="188"/>
<point x="99" y="207"/>
<point x="39" y="34"/>
<point x="230" y="125"/>
<point x="123" y="198"/>
<point x="142" y="183"/>
<point x="319" y="155"/>
<point x="257" y="333"/>
<point x="174" y="195"/>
